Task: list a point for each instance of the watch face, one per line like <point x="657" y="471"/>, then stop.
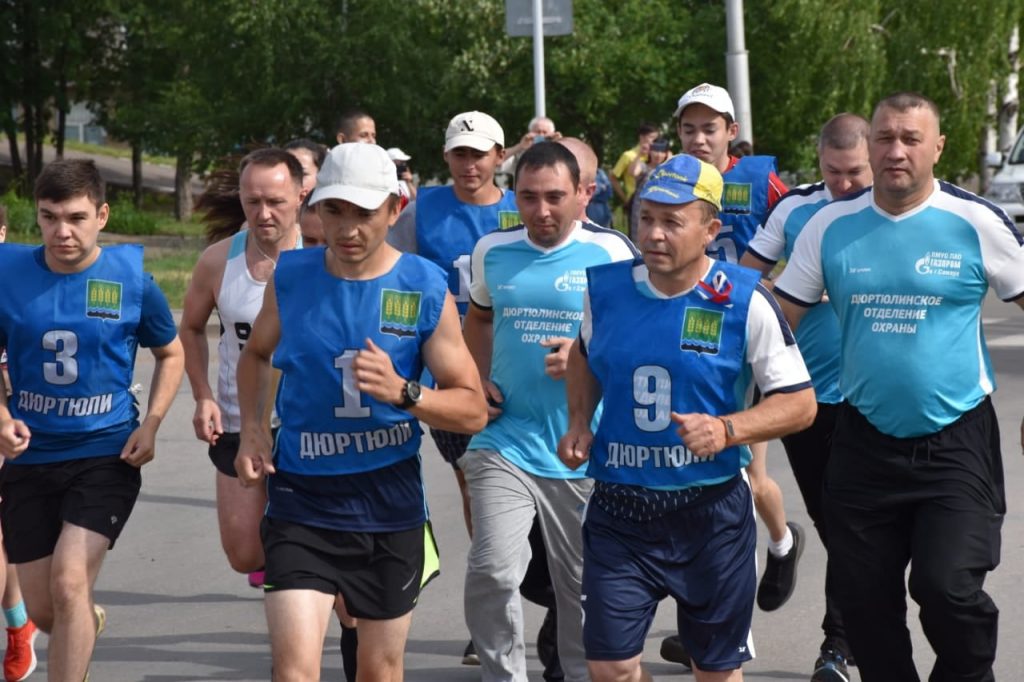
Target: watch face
<point x="414" y="391"/>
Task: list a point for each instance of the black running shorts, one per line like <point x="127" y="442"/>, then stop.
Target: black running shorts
<point x="378" y="574"/>
<point x="97" y="493"/>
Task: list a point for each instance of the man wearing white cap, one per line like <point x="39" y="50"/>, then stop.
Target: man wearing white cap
<point x="445" y="222"/>
<point x="706" y="126"/>
<point x="346" y="511"/>
<point x="406" y="182"/>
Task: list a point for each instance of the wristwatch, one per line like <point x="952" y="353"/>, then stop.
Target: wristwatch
<point x="730" y="432"/>
<point x="412" y="392"/>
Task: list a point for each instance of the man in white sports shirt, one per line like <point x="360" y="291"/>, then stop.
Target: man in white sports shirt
<point x="915" y="474"/>
<point x="843" y="161"/>
<point x="230" y="277"/>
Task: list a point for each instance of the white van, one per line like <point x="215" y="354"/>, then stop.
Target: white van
<point x="1007" y="186"/>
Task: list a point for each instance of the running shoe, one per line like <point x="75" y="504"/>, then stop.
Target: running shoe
<point x="256" y="579"/>
<point x="830" y="667"/>
<point x="469" y="656"/>
<point x="101" y="618"/>
<point x="779" y="579"/>
<point x="673" y="651"/>
<point x="20" y="658"/>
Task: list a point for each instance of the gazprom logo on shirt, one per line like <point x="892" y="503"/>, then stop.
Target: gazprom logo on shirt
<point x="572" y="280"/>
<point x="399" y="312"/>
<point x="702" y="331"/>
<point x="736" y="197"/>
<point x="941" y="263"/>
<point x="508" y="219"/>
<point x="103" y="299"/>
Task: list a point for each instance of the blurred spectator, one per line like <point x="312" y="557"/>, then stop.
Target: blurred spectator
<point x="311" y="155"/>
<point x="406" y="181"/>
<point x="623" y="182"/>
<point x="658" y="154"/>
<point x="599" y="210"/>
<point x="742" y="148"/>
<point x="355" y="125"/>
<point x="540" y="129"/>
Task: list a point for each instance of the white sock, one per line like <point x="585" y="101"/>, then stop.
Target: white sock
<point x="781" y="548"/>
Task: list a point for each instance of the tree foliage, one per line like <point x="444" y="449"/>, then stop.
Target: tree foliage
<point x="197" y="79"/>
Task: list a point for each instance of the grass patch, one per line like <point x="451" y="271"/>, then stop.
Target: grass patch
<point x="172" y="271"/>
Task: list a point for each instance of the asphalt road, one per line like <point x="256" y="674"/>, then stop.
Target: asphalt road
<point x="177" y="613"/>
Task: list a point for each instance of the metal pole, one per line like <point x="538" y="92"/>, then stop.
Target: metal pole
<point x="539" y="106"/>
<point x="736" y="68"/>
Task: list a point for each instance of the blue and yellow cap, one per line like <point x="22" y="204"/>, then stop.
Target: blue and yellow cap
<point x="683" y="179"/>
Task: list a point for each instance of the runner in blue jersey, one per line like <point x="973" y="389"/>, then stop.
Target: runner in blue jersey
<point x="706" y="125"/>
<point x="444" y="224"/>
<point x="526" y="305"/>
<point x="351" y="327"/>
<point x="673" y="344"/>
<point x="72" y="432"/>
<point x="843" y="160"/>
<point x="915" y="474"/>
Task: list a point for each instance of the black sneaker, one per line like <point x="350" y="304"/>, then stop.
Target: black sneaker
<point x="779" y="577"/>
<point x="469" y="656"/>
<point x="830" y="667"/>
<point x="673" y="651"/>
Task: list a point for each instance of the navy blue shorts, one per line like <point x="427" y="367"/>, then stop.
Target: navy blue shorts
<point x="702" y="555"/>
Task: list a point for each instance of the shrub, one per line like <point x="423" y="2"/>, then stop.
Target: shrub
<point x="126" y="219"/>
<point x="21" y="214"/>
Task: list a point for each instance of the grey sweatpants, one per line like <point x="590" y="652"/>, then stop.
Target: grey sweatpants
<point x="504" y="500"/>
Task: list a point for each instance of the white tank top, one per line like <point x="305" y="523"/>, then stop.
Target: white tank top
<point x="238" y="302"/>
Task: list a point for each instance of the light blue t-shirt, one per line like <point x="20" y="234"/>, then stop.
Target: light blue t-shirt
<point x="818" y="333"/>
<point x="908" y="290"/>
<point x="535" y="293"/>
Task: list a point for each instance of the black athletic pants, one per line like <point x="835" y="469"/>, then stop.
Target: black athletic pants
<point x="936" y="502"/>
<point x="808" y="453"/>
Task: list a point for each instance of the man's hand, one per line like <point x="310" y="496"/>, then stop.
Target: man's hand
<point x="207" y="420"/>
<point x="141" y="445"/>
<point x="375" y="374"/>
<point x="253" y="461"/>
<point x="557" y="358"/>
<point x="702" y="434"/>
<point x="494" y="399"/>
<point x="14" y="438"/>
<point x="574" y="447"/>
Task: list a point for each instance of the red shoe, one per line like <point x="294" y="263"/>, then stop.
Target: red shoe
<point x="20" y="659"/>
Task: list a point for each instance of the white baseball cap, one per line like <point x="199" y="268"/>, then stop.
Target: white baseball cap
<point x="360" y="173"/>
<point x="473" y="129"/>
<point x="397" y="154"/>
<point x="710" y="96"/>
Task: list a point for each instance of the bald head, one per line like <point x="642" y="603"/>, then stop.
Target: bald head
<point x="587" y="160"/>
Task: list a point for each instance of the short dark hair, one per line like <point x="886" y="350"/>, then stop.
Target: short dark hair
<point x="903" y="101"/>
<point x="844" y="131"/>
<point x="349" y="118"/>
<point x="549" y="155"/>
<point x="708" y="210"/>
<point x="646" y="129"/>
<point x="270" y="157"/>
<point x="70" y="178"/>
<point x="318" y="150"/>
